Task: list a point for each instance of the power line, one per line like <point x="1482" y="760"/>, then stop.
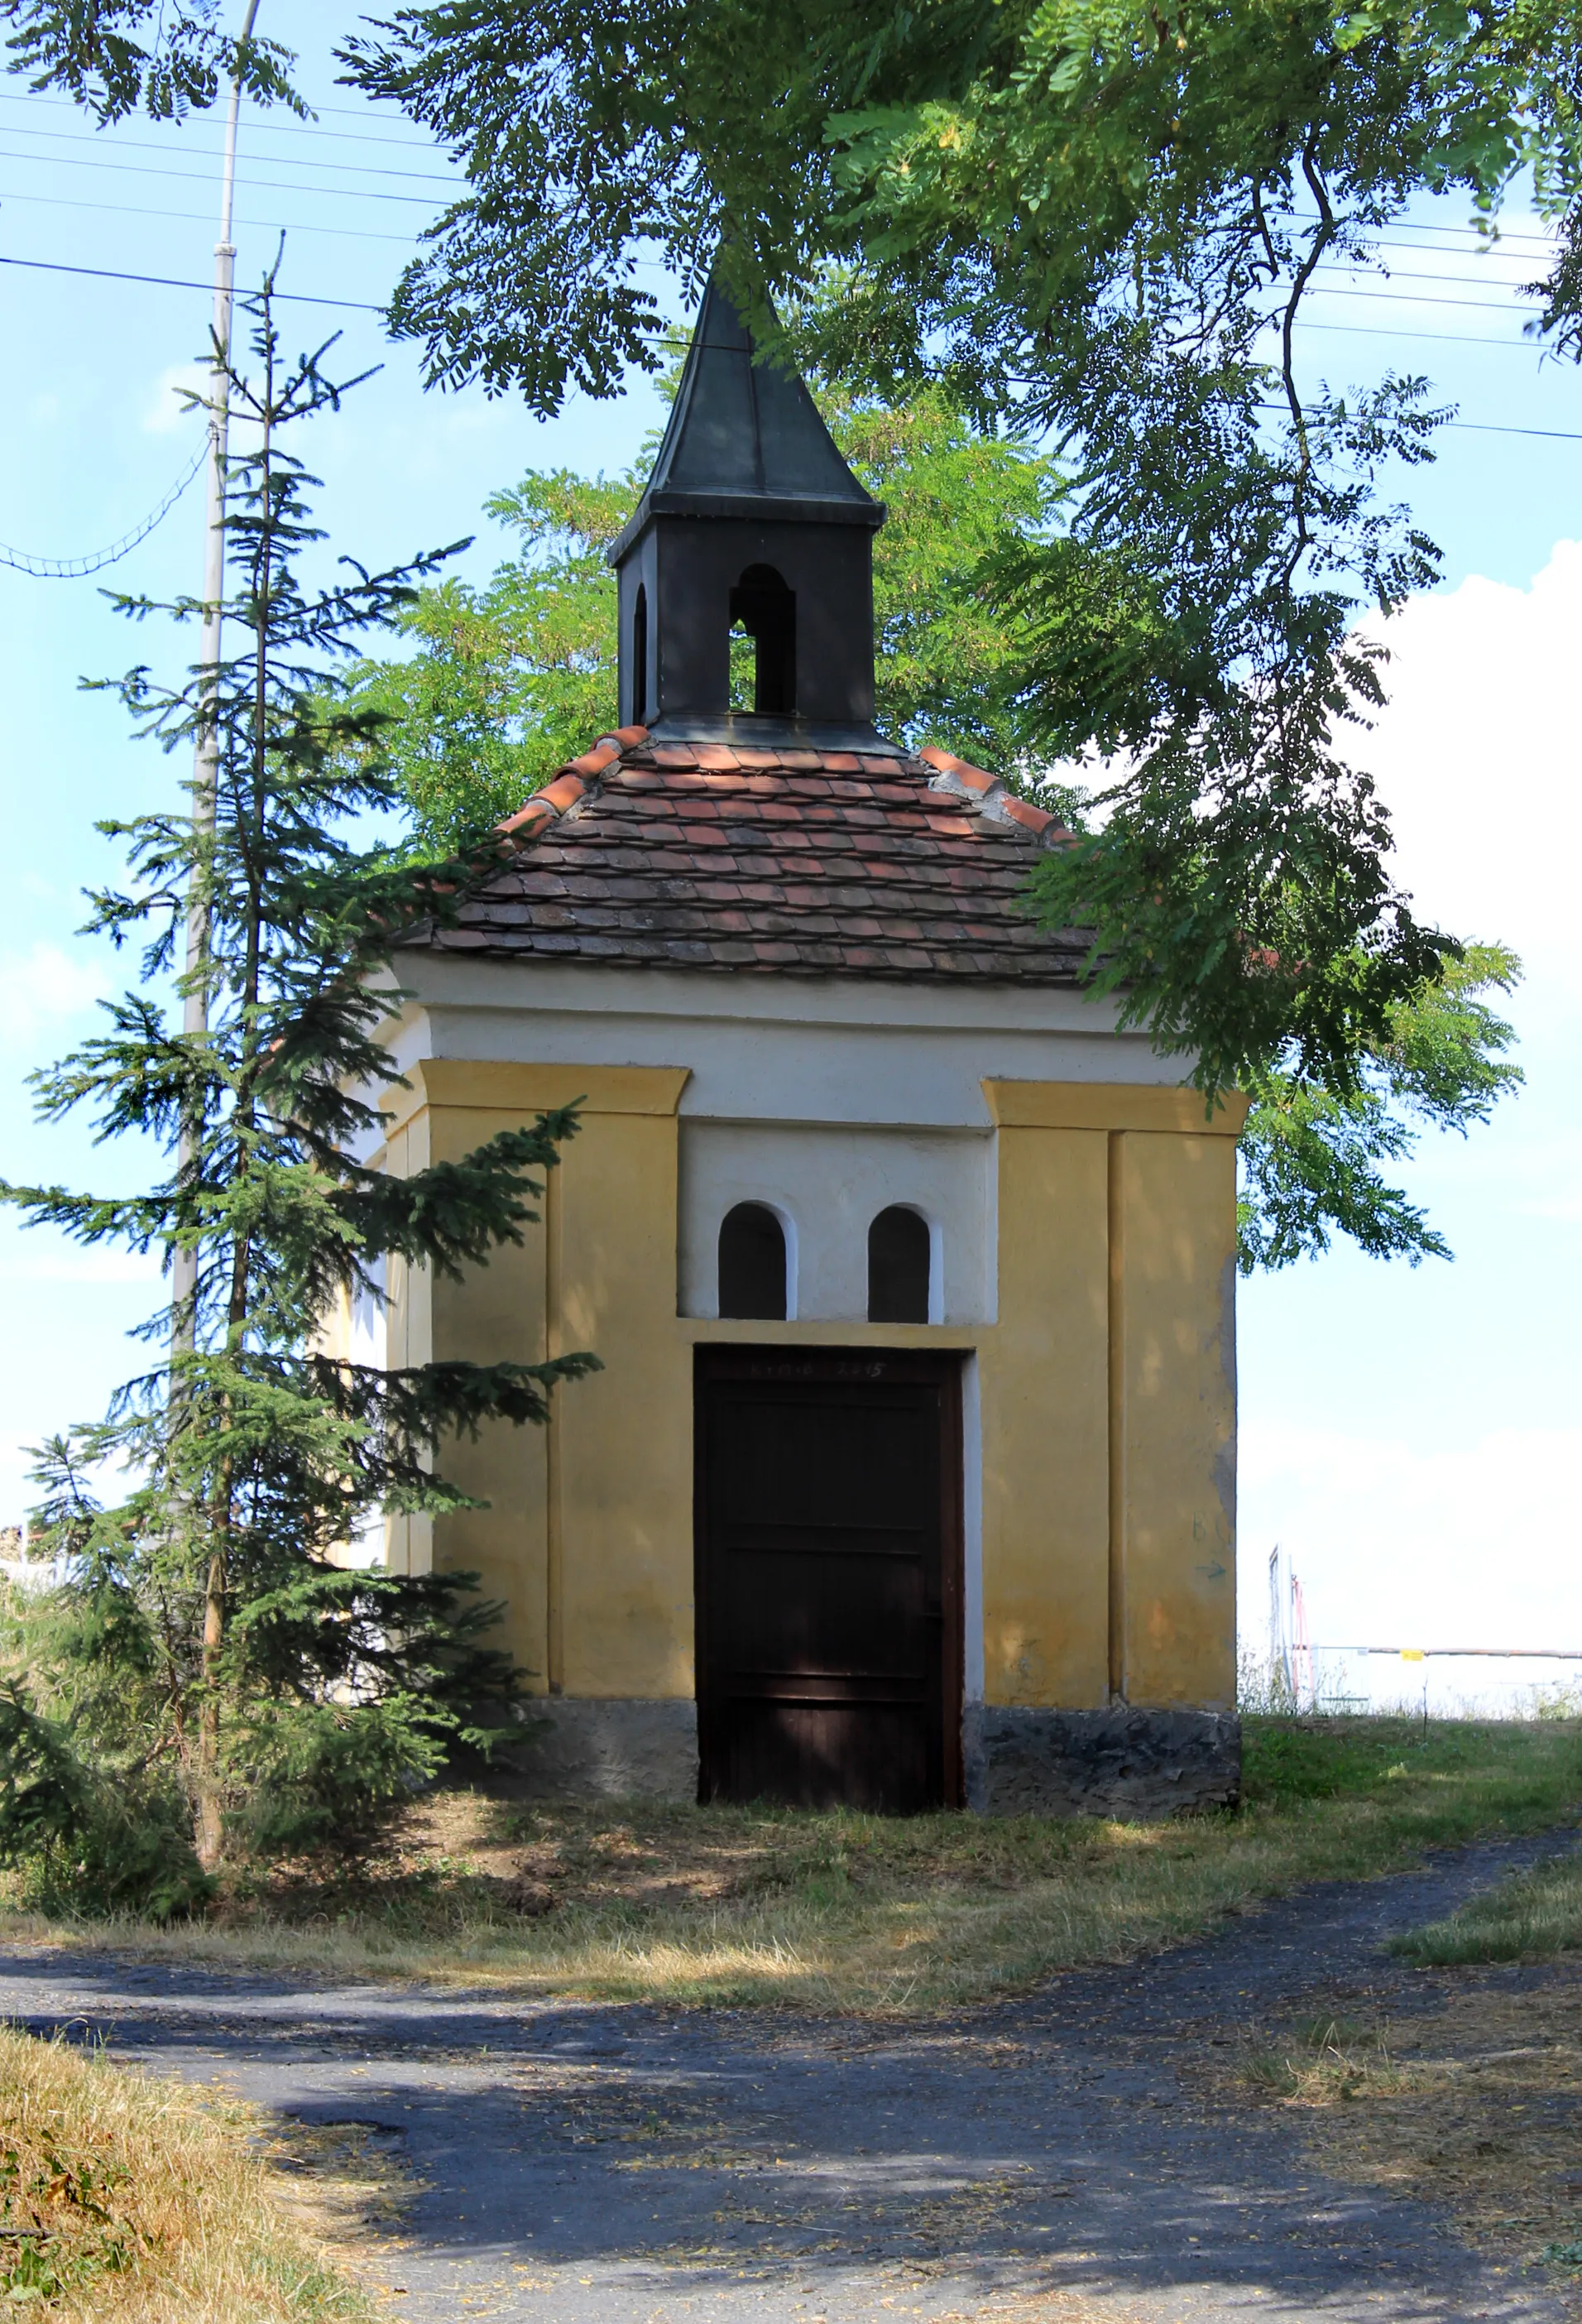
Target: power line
<point x="1430" y="338"/>
<point x="171" y="282"/>
<point x="202" y="217"/>
<point x="1325" y="290"/>
<point x="202" y="152"/>
<point x="73" y="569"/>
<point x="363" y="306"/>
<point x="354" y="193"/>
<point x="365" y="234"/>
<point x="260" y="124"/>
<point x="202" y="178"/>
<point x="1412" y="274"/>
<point x="1418" y="299"/>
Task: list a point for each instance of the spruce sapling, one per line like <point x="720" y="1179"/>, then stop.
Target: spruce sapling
<point x="284" y="1695"/>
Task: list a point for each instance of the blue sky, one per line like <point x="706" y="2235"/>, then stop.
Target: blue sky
<point x="1411" y="1437"/>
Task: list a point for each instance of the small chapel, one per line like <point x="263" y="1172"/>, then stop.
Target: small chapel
<point x="909" y="1478"/>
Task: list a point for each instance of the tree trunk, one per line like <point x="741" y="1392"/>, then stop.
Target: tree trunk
<point x="210" y="1830"/>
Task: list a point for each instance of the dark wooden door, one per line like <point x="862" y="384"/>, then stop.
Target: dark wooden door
<point x="829" y="1577"/>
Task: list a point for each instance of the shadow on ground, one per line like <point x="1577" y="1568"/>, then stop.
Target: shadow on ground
<point x="1063" y="2155"/>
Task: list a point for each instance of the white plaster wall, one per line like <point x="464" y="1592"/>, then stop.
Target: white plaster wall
<point x="828" y="1185"/>
<point x="773" y="1049"/>
<point x="368" y="1343"/>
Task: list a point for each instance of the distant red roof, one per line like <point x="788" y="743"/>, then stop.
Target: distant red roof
<point x="800" y="862"/>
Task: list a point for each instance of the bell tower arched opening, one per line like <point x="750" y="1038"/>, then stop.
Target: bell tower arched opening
<point x="763" y="644"/>
<point x="640" y="657"/>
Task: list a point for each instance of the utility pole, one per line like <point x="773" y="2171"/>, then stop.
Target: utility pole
<point x="206" y="756"/>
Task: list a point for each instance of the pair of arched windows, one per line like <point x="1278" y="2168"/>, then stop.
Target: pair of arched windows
<point x="753" y="1266"/>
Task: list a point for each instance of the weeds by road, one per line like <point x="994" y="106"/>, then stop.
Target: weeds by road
<point x="128" y="2201"/>
<point x="1474" y="2107"/>
<point x="839" y="1910"/>
<point x="1531" y="1916"/>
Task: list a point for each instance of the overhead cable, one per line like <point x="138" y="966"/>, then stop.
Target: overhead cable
<point x="74" y="568"/>
<point x="173" y="282"/>
<point x="365" y="306"/>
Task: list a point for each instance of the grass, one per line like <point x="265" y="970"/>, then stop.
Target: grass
<point x="848" y="1912"/>
<point x="1529" y="1916"/>
<point x="128" y="2201"/>
<point x="1328" y="2059"/>
<point x="1472" y="2106"/>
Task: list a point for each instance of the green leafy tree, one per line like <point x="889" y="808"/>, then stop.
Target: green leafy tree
<point x="1107" y="219"/>
<point x="211" y="1647"/>
<point x="510" y="680"/>
<point x="1310" y="1161"/>
<point x="488" y="708"/>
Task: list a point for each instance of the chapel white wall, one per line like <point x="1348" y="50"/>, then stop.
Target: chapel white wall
<point x="828" y="1185"/>
<point x="777" y="1049"/>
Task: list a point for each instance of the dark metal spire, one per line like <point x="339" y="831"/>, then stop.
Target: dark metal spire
<point x="752" y="525"/>
<point x="745" y="431"/>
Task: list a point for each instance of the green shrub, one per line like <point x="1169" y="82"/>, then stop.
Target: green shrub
<point x="91" y="1839"/>
<point x="323" y="1776"/>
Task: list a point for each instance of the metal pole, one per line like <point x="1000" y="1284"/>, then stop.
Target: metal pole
<point x="206" y="756"/>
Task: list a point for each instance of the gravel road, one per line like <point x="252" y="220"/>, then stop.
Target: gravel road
<point x="1060" y="2156"/>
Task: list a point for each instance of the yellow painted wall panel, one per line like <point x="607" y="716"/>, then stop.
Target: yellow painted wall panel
<point x="1113" y="1105"/>
<point x="623" y="1437"/>
<point x="1043" y="1384"/>
<point x="496" y="1314"/>
<point x="1175" y="1204"/>
<point x="1107" y="1395"/>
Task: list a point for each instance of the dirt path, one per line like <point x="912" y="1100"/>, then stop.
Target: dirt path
<point x="1062" y="2157"/>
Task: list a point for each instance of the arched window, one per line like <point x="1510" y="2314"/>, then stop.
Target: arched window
<point x="897" y="1268"/>
<point x="763" y="643"/>
<point x="639" y="658"/>
<point x="752" y="1263"/>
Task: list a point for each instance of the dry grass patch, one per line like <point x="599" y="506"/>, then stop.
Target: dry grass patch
<point x="1476" y="2109"/>
<point x="128" y="2201"/>
<point x="840" y="1910"/>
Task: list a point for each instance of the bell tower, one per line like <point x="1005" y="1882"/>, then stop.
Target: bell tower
<point x="751" y="523"/>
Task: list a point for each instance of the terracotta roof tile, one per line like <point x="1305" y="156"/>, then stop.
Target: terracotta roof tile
<point x="756" y="861"/>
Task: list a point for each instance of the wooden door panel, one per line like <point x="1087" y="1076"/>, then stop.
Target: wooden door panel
<point x="830" y="1755"/>
<point x="798" y="1613"/>
<point x="794" y="1457"/>
<point x="828" y="1577"/>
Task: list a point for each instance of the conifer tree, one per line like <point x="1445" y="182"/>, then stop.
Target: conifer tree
<point x="210" y="1652"/>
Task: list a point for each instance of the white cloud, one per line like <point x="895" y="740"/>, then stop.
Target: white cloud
<point x="1400" y="1439"/>
<point x="1478" y="756"/>
<point x="168" y="409"/>
<point x="42" y="987"/>
<point x="1480" y="1547"/>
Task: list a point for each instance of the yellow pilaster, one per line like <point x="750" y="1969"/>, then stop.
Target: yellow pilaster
<point x="1109" y="1546"/>
<point x="588" y="1534"/>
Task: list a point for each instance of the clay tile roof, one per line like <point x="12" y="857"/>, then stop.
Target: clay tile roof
<point x="795" y="862"/>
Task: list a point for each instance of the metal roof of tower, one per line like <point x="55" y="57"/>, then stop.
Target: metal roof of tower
<point x="744" y="435"/>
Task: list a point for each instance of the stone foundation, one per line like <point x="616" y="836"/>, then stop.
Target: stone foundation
<point x="1141" y="1765"/>
<point x="618" y="1749"/>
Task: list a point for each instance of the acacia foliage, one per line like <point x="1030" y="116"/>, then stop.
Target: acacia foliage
<point x="212" y="1649"/>
<point x="510" y="681"/>
<point x="1313" y="1163"/>
<point x="1106" y="215"/>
